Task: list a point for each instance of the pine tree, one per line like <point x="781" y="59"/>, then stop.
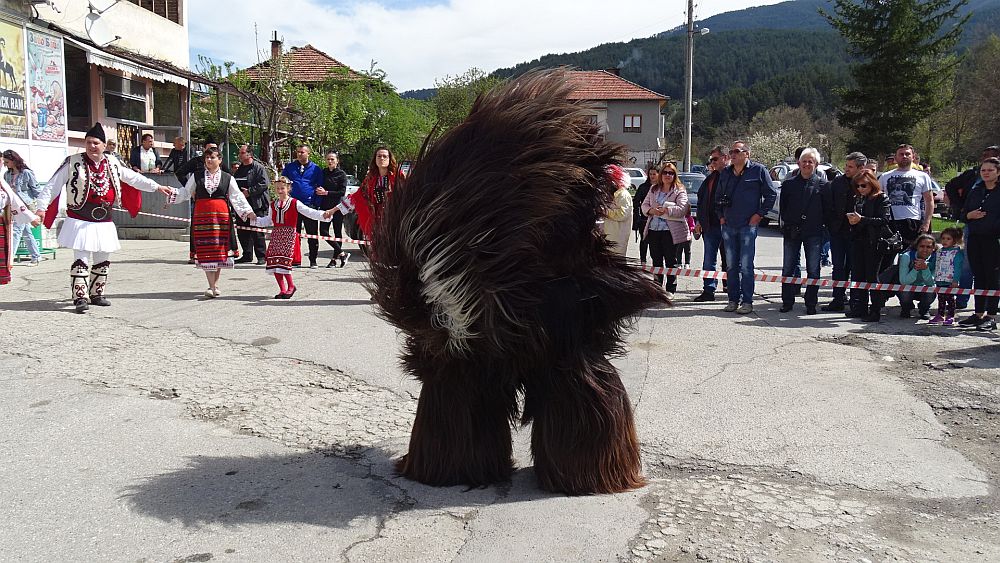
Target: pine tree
<point x="905" y="51"/>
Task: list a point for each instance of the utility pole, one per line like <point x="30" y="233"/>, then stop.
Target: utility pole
<point x="688" y="86"/>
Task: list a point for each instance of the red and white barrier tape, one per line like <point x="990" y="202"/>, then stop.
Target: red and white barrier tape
<point x="695" y="273"/>
<point x="255" y="229"/>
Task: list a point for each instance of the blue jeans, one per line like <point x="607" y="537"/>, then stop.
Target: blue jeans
<point x="17" y="231"/>
<point x="840" y="255"/>
<point x="813" y="245"/>
<point x="924" y="300"/>
<point x="713" y="241"/>
<point x="741" y="244"/>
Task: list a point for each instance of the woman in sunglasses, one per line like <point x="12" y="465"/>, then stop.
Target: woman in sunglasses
<point x="666" y="205"/>
<point x="867" y="221"/>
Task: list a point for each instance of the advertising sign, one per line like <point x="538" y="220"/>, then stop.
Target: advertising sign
<point x="47" y="100"/>
<point x="13" y="115"/>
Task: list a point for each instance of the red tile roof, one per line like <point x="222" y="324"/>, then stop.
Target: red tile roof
<point x="306" y="65"/>
<point x="604" y="85"/>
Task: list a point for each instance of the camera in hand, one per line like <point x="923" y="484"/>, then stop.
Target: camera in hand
<point x="724" y="201"/>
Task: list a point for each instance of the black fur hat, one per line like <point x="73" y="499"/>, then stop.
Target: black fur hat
<point x="97" y="132"/>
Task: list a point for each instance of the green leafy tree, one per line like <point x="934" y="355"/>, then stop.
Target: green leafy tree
<point x="455" y="96"/>
<point x="906" y="57"/>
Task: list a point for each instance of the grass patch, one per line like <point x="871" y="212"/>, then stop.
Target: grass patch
<point x="938" y="224"/>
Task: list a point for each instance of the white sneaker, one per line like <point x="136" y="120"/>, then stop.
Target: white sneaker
<point x="209" y="293"/>
<point x="744" y="309"/>
<point x="731" y="306"/>
<point x="216" y="292"/>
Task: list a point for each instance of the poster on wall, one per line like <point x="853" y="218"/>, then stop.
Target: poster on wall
<point x="13" y="117"/>
<point x="47" y="102"/>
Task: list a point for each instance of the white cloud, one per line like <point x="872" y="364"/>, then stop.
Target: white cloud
<point x="419" y="44"/>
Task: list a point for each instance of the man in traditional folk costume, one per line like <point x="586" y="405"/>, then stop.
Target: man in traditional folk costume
<point x="213" y="190"/>
<point x="88" y="184"/>
<point x="13" y="213"/>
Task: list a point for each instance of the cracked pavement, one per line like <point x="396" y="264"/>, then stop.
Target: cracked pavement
<point x="173" y="428"/>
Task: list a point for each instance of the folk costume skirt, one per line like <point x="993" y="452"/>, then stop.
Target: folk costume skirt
<point x="282" y="250"/>
<point x="89" y="236"/>
<point x="211" y="227"/>
<point x="5" y="250"/>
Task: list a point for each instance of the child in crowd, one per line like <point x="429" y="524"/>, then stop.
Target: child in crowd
<point x="285" y="211"/>
<point x="917" y="267"/>
<point x="683" y="249"/>
<point x="947" y="272"/>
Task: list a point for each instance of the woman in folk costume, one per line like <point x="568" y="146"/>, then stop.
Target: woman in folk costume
<point x="213" y="191"/>
<point x="285" y="212"/>
<point x="618" y="221"/>
<point x="13" y="215"/>
<point x="87" y="185"/>
<point x="383" y="177"/>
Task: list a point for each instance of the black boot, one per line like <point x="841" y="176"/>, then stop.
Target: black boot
<point x="874" y="315"/>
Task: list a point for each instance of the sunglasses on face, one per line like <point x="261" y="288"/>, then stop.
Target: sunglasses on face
<point x="737" y="151"/>
<point x="714" y="159"/>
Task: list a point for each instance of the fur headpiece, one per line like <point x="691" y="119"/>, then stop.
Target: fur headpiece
<point x="97" y="132"/>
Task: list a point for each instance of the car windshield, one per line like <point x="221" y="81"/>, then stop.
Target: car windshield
<point x="692" y="183"/>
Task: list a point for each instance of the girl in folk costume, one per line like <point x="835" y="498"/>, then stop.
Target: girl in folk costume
<point x="285" y="211"/>
<point x="213" y="191"/>
<point x="13" y="214"/>
<point x="618" y="221"/>
<point x="87" y="186"/>
<point x="383" y="177"/>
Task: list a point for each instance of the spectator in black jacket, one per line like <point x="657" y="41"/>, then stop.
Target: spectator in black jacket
<point x="177" y="157"/>
<point x="838" y="200"/>
<point x="707" y="223"/>
<point x="982" y="246"/>
<point x="333" y="190"/>
<point x="251" y="177"/>
<point x="958" y="187"/>
<point x="638" y="219"/>
<point x="870" y="214"/>
<point x="802" y="217"/>
<point x="144" y="158"/>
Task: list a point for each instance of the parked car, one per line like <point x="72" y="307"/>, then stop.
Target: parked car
<point x="692" y="183"/>
<point x="637" y="176"/>
<point x="939" y="205"/>
<point x="700" y="168"/>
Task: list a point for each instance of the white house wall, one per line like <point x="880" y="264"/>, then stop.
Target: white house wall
<point x="141" y="30"/>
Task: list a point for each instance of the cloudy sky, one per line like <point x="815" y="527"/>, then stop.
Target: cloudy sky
<point x="418" y="41"/>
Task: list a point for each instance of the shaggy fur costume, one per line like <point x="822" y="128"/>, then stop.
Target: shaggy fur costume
<point x="490" y="261"/>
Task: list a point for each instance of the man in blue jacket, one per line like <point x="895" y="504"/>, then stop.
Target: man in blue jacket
<point x="744" y="197"/>
<point x="306" y="176"/>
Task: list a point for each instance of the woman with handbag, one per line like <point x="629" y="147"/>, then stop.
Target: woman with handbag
<point x="869" y="224"/>
<point x="666" y="206"/>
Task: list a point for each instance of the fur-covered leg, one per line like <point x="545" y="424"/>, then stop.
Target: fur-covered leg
<point x="461" y="434"/>
<point x="583" y="435"/>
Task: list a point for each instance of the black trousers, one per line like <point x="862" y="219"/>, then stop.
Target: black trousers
<point x="984" y="259"/>
<point x="312" y="227"/>
<point x="338" y="231"/>
<point x="251" y="241"/>
<point x="661" y="250"/>
<point x="866" y="264"/>
<point x="908" y="229"/>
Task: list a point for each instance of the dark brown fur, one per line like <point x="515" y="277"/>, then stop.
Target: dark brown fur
<point x="506" y="203"/>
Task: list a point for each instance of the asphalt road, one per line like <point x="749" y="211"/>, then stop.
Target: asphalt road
<point x="168" y="427"/>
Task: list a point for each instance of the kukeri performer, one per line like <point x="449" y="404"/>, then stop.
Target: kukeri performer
<point x="490" y="261"/>
<point x="211" y="222"/>
<point x="88" y="184"/>
<point x="285" y="211"/>
<point x="13" y="214"/>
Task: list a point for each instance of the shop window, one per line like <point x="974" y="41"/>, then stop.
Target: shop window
<point x="77" y="88"/>
<point x="124" y="99"/>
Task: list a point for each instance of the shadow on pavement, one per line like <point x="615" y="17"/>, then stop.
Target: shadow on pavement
<point x="269" y="302"/>
<point x="307" y="488"/>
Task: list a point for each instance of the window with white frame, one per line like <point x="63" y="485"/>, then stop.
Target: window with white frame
<point x="633" y="123"/>
<point x="124" y="99"/>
